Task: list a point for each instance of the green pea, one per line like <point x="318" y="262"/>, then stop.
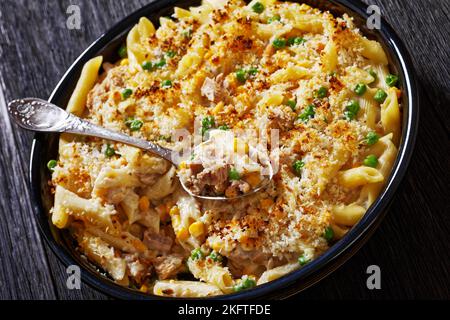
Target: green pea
<point x="161" y="63"/>
<point x="224" y="127"/>
<point x="122" y="51"/>
<point x="241" y="75"/>
<point x="351" y="110"/>
<point x="147" y="65"/>
<point x="274" y="18"/>
<point x="353" y="106"/>
<point x="196" y="254"/>
<point x="391" y="80"/>
<point x="322" y="92"/>
<point x="136" y="125"/>
<point x="109" y="151"/>
<point x="307" y="114"/>
<point x="52" y="164"/>
<point x="252" y="71"/>
<point x="360" y="89"/>
<point x="126" y="93"/>
<point x="207" y="123"/>
<point x="233" y="174"/>
<point x="279" y="43"/>
<point x="380" y="96"/>
<point x="166" y="84"/>
<point x="215" y="256"/>
<point x="372" y="138"/>
<point x="328" y="234"/>
<point x="302" y="260"/>
<point x="371" y="161"/>
<point x="171" y="54"/>
<point x="292" y="104"/>
<point x="295" y="41"/>
<point x="246" y="283"/>
<point x="258" y="7"/>
<point x="297" y="167"/>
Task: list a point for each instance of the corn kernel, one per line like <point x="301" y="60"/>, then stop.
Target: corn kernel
<point x="196" y="229"/>
<point x="218" y="108"/>
<point x="143" y="288"/>
<point x="253" y="179"/>
<point x="217" y="246"/>
<point x="182" y="165"/>
<point x="124" y="62"/>
<point x="227" y="280"/>
<point x="174" y="211"/>
<point x="183" y="234"/>
<point x="144" y="203"/>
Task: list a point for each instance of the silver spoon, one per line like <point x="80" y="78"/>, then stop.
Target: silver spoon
<point x="39" y="115"/>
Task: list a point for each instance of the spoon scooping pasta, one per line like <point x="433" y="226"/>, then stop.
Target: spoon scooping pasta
<point x="201" y="177"/>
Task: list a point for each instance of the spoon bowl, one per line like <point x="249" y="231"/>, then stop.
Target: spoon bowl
<point x="38" y="115"/>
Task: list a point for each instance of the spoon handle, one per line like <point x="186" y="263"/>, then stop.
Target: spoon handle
<point x="80" y="126"/>
<point x="40" y="115"/>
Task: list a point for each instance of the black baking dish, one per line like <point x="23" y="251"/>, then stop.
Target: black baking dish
<point x="45" y="148"/>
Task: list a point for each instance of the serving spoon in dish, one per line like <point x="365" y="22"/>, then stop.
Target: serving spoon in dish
<point x="42" y="116"/>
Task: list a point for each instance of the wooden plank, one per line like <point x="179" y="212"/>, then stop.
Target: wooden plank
<point x="22" y="257"/>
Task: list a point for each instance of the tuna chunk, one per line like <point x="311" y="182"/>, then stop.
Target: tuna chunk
<point x="281" y="118"/>
<point x="157" y="242"/>
<point x="168" y="266"/>
<point x="237" y="188"/>
<point x="213" y="89"/>
<point x="214" y="178"/>
<point x="209" y="89"/>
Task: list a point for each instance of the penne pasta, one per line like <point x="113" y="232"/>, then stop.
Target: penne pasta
<point x="87" y="79"/>
<point x="390" y="115"/>
<point x="186" y="289"/>
<point x="348" y="215"/>
<point x="277" y="272"/>
<point x="359" y="176"/>
<point x="68" y="204"/>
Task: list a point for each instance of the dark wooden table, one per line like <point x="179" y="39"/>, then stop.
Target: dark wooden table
<point x="412" y="244"/>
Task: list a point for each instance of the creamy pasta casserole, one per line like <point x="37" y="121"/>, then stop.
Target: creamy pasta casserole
<point x="264" y="66"/>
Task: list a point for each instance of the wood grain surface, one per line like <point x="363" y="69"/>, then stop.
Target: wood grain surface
<point x="411" y="246"/>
